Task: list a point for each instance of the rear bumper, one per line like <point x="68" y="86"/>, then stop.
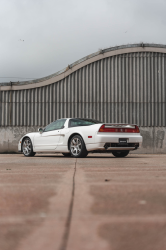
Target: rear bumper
<point x="120" y="148"/>
<point x="101" y="146"/>
<point x="114" y="137"/>
<point x="110" y="142"/>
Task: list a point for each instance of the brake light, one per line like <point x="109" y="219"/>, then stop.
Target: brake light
<point x="119" y="128"/>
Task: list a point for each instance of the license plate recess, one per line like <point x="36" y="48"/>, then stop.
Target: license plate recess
<point x="123" y="141"/>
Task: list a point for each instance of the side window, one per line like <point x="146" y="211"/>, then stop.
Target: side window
<point x="74" y="123"/>
<point x="55" y="125"/>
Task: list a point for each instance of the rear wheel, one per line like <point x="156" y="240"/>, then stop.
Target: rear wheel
<point x="120" y="153"/>
<point x="27" y="147"/>
<point x="67" y="154"/>
<point x="77" y="147"/>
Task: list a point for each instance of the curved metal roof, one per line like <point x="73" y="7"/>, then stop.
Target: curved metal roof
<point x="101" y="54"/>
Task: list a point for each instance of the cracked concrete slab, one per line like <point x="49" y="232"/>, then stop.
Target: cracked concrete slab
<point x="53" y="202"/>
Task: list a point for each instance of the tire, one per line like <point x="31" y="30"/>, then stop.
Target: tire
<point x="120" y="153"/>
<point x="27" y="148"/>
<point x="66" y="154"/>
<point x="77" y="147"/>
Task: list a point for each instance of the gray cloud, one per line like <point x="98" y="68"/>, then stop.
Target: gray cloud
<point x="57" y="33"/>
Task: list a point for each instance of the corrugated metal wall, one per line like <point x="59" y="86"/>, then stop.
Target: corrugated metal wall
<point x="128" y="88"/>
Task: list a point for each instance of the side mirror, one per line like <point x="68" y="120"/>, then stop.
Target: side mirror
<point x="40" y="130"/>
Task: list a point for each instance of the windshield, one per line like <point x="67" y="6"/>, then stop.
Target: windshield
<point x="82" y="122"/>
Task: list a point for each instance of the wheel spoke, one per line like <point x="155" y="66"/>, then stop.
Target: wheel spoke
<point x="76" y="151"/>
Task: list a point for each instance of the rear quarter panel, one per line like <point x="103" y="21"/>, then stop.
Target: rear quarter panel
<point x="86" y="131"/>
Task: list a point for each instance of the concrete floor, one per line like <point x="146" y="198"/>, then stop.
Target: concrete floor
<point x="99" y="202"/>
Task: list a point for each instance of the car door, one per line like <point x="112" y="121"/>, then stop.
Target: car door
<point x="48" y="140"/>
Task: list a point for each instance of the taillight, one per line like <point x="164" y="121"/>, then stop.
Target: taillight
<point x="119" y="128"/>
<point x="137" y="129"/>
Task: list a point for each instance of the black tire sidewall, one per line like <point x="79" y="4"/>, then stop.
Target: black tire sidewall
<point x="66" y="154"/>
<point x="120" y="153"/>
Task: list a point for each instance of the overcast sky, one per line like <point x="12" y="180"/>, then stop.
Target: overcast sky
<point x="41" y="37"/>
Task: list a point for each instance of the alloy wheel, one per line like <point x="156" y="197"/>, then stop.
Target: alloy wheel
<point x="75" y="146"/>
<point x="27" y="147"/>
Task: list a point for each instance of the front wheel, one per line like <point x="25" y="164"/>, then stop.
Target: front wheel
<point x="120" y="153"/>
<point x="27" y="147"/>
<point x="77" y="147"/>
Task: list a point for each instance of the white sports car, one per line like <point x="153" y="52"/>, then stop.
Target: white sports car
<point x="77" y="137"/>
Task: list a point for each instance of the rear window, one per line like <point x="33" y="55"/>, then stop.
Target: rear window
<point x="82" y="122"/>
